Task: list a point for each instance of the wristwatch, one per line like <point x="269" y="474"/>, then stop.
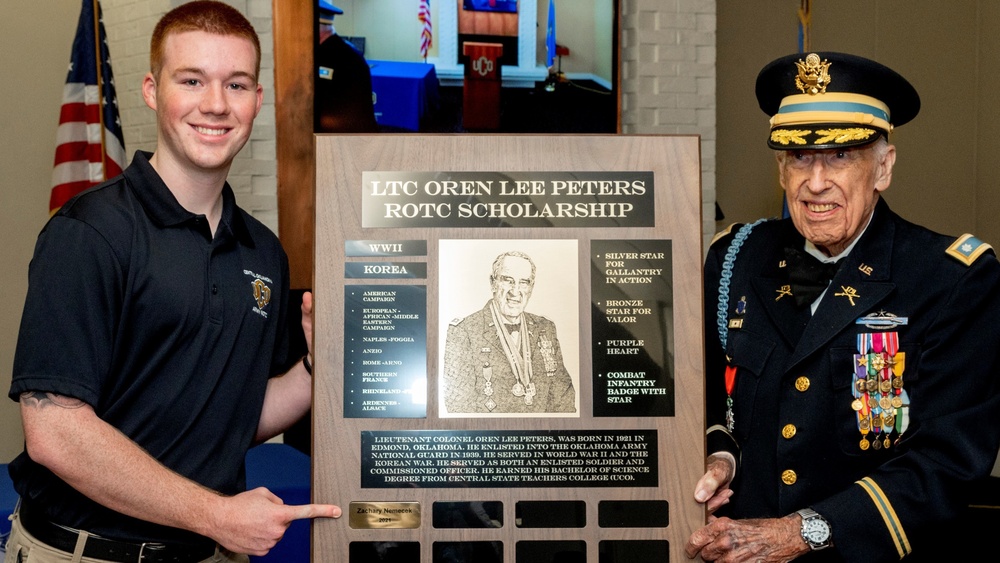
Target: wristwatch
<point x="816" y="531"/>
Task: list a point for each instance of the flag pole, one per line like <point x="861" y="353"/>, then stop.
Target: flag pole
<point x="100" y="82"/>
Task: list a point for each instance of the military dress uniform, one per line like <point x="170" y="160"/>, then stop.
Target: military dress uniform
<point x="909" y="312"/>
<point x="478" y="372"/>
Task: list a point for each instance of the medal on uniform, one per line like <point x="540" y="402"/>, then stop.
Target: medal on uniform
<point x="730" y="385"/>
<point x="859" y="391"/>
<point x="547" y="349"/>
<point x="517" y="349"/>
<point x="488" y="376"/>
<point x="878" y="388"/>
<point x="488" y="388"/>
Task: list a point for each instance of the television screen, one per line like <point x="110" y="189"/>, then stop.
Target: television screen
<point x="509" y="6"/>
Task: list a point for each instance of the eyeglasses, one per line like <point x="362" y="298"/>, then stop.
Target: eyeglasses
<point x="507" y="283"/>
<point x="835" y="159"/>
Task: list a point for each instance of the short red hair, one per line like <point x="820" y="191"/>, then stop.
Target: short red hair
<point x="203" y="15"/>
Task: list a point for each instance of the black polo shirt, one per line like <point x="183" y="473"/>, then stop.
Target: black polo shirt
<point x="170" y="334"/>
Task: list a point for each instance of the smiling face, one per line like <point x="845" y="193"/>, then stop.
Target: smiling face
<point x="832" y="193"/>
<point x="512" y="284"/>
<point x="206" y="97"/>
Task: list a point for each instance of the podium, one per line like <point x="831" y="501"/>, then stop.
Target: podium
<point x="481" y="98"/>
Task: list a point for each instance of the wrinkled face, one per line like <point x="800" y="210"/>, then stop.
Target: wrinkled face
<point x="512" y="287"/>
<point x="832" y="193"/>
<point x="206" y="98"/>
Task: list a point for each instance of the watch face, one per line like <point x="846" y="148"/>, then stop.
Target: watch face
<point x="815" y="530"/>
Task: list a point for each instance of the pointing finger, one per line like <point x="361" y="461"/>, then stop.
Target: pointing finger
<point x="316" y="511"/>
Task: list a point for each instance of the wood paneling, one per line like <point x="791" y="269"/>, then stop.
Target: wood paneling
<point x="293" y="101"/>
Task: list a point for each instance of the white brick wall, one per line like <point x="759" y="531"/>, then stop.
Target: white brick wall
<point x="668" y="78"/>
<point x="129" y="24"/>
<point x="668" y="86"/>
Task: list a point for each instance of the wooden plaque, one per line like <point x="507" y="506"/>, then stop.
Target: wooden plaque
<point x="574" y="434"/>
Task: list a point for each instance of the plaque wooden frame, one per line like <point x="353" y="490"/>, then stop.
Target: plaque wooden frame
<point x="337" y="450"/>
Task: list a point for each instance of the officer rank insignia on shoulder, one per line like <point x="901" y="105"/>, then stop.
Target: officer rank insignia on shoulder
<point x="967" y="249"/>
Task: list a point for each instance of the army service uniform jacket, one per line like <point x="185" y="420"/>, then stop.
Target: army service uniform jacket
<point x="908" y="306"/>
<point x="474" y="355"/>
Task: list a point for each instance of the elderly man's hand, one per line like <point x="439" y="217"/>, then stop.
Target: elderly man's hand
<point x="766" y="540"/>
<point x="713" y="488"/>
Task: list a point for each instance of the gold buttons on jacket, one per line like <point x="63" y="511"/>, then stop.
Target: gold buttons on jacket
<point x="789" y="477"/>
<point x="802" y="383"/>
<point x="788" y="431"/>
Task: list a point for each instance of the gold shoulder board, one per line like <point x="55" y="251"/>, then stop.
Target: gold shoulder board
<point x="724" y="232"/>
<point x="967" y="249"/>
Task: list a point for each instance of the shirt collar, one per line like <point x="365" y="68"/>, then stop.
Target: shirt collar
<point x="164" y="209"/>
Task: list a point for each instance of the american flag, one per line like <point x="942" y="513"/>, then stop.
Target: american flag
<point x="90" y="147"/>
<point x="426" y="37"/>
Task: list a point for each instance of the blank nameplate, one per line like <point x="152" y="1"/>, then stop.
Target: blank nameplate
<point x="551" y="552"/>
<point x="633" y="514"/>
<point x="550" y="514"/>
<point x="468" y="551"/>
<point x="487" y="514"/>
<point x="630" y="551"/>
<point x="384" y="552"/>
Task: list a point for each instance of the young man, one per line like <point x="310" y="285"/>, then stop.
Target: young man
<point x="153" y="339"/>
<point x="851" y="355"/>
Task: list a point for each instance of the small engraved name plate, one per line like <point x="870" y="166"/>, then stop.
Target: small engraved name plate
<point x="378" y="515"/>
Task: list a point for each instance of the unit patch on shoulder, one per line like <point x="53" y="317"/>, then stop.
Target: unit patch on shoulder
<point x="967" y="249"/>
<point x="724" y="232"/>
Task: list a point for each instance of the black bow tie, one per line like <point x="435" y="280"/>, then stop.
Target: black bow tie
<point x="512" y="327"/>
<point x="807" y="275"/>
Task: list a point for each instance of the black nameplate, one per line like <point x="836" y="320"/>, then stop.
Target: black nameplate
<point x="488" y="514"/>
<point x="633" y="514"/>
<point x="551" y="552"/>
<point x="507" y="199"/>
<point x="468" y="458"/>
<point x="468" y="551"/>
<point x="385" y="351"/>
<point x="630" y="551"/>
<point x="385" y="270"/>
<point x="384" y="552"/>
<point x="631" y="322"/>
<point x="550" y="514"/>
<point x="376" y="248"/>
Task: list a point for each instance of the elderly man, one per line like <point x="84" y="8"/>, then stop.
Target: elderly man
<point x="851" y="355"/>
<point x="501" y="359"/>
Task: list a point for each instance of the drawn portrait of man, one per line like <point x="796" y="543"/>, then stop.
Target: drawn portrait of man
<point x="507" y="358"/>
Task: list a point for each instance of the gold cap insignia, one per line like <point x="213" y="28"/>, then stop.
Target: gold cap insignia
<point x="814" y="75"/>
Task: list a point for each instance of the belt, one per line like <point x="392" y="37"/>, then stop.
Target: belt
<point x="64" y="539"/>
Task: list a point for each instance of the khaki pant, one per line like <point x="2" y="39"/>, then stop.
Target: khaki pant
<point x="23" y="548"/>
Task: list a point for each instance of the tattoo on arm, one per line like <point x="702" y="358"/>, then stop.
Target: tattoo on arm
<point x="42" y="399"/>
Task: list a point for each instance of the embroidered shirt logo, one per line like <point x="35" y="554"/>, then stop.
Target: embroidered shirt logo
<point x="261" y="292"/>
